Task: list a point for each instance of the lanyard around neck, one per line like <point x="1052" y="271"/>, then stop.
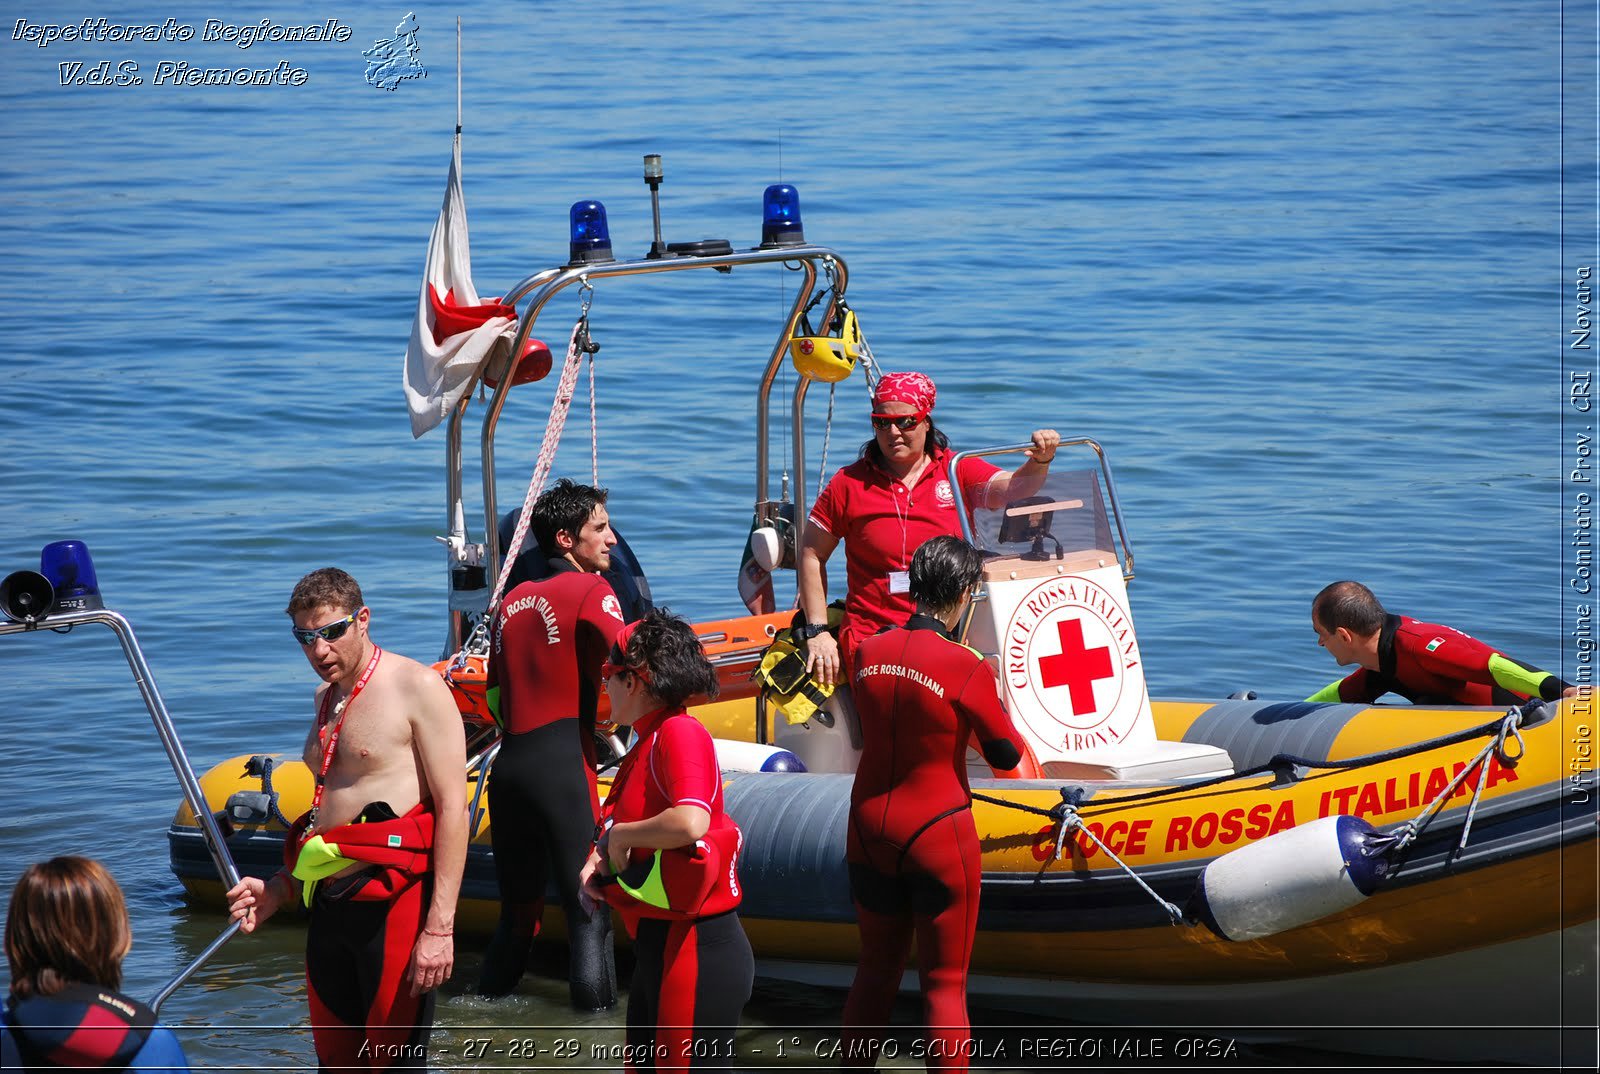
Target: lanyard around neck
<point x="332" y="744"/>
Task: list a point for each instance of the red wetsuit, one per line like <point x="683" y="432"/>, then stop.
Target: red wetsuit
<point x="364" y="926"/>
<point x="691" y="978"/>
<point x="882" y="524"/>
<point x="1429" y="664"/>
<point x="912" y="848"/>
<point x="544" y="685"/>
<point x="550" y="639"/>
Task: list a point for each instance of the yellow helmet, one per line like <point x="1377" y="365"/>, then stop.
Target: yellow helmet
<point x="830" y="358"/>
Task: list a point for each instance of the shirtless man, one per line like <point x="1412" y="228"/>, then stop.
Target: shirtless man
<point x="383" y="844"/>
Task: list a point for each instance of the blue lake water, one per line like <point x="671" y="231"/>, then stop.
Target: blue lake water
<point x="1300" y="269"/>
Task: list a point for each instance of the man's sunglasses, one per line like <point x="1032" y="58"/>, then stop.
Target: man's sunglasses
<point x="904" y="422"/>
<point x="332" y="632"/>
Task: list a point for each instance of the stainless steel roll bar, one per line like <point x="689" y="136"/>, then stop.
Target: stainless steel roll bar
<point x="62" y="622"/>
<point x="541" y="287"/>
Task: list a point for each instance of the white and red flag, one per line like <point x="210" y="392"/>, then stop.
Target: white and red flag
<point x="454" y="329"/>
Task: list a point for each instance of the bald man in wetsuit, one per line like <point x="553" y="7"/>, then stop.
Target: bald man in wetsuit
<point x="1425" y="663"/>
<point x="389" y="752"/>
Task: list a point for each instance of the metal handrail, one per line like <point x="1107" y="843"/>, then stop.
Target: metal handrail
<point x="192" y="794"/>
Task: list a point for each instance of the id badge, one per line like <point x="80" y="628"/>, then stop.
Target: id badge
<point x="899" y="581"/>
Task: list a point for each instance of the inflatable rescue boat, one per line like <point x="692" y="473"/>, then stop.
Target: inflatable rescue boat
<point x="1221" y="861"/>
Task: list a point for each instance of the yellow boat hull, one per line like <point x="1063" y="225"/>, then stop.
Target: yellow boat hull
<point x="1528" y="868"/>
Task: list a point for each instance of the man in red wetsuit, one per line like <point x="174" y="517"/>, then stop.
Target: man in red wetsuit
<point x="883" y="506"/>
<point x="550" y="638"/>
<point x="912" y="847"/>
<point x="1425" y="663"/>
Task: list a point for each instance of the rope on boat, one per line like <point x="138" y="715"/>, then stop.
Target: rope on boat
<point x="827" y="438"/>
<point x="589" y="348"/>
<point x="1507" y="727"/>
<point x="1069" y="821"/>
<point x="1282" y="765"/>
<point x="477" y="644"/>
<point x="1510" y="726"/>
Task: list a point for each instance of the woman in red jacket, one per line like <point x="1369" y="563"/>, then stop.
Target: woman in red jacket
<point x="667" y="856"/>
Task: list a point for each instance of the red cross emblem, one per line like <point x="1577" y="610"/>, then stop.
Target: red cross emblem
<point x="806" y="346"/>
<point x="1076" y="667"/>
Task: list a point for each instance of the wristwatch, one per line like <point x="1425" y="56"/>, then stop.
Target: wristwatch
<point x="809" y="631"/>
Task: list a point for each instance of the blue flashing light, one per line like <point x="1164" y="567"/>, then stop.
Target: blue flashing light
<point x="70" y="570"/>
<point x="780" y="217"/>
<point x="591" y="239"/>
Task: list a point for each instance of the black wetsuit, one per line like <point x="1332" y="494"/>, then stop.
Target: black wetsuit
<point x="542" y="804"/>
<point x="550" y="639"/>
<point x="358" y="948"/>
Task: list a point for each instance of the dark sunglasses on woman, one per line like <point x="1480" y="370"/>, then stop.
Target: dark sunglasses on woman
<point x="904" y="422"/>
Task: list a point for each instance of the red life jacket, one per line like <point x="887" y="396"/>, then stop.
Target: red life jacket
<point x="399" y="849"/>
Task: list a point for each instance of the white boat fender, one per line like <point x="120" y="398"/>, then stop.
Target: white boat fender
<point x="753" y="757"/>
<point x="1289" y="879"/>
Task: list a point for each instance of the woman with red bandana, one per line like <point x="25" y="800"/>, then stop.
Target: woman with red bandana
<point x="884" y="506"/>
<point x="667" y="856"/>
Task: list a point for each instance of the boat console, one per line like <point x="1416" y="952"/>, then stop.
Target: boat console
<point x="1053" y="619"/>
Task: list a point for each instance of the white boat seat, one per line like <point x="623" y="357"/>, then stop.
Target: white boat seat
<point x="1157" y="761"/>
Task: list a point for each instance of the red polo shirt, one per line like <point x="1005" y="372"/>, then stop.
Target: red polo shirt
<point x="674" y="763"/>
<point x="882" y="523"/>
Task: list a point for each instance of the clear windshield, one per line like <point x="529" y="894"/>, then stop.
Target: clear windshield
<point x="1062" y="517"/>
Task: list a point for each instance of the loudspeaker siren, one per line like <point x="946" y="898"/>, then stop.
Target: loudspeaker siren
<point x="26" y="595"/>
